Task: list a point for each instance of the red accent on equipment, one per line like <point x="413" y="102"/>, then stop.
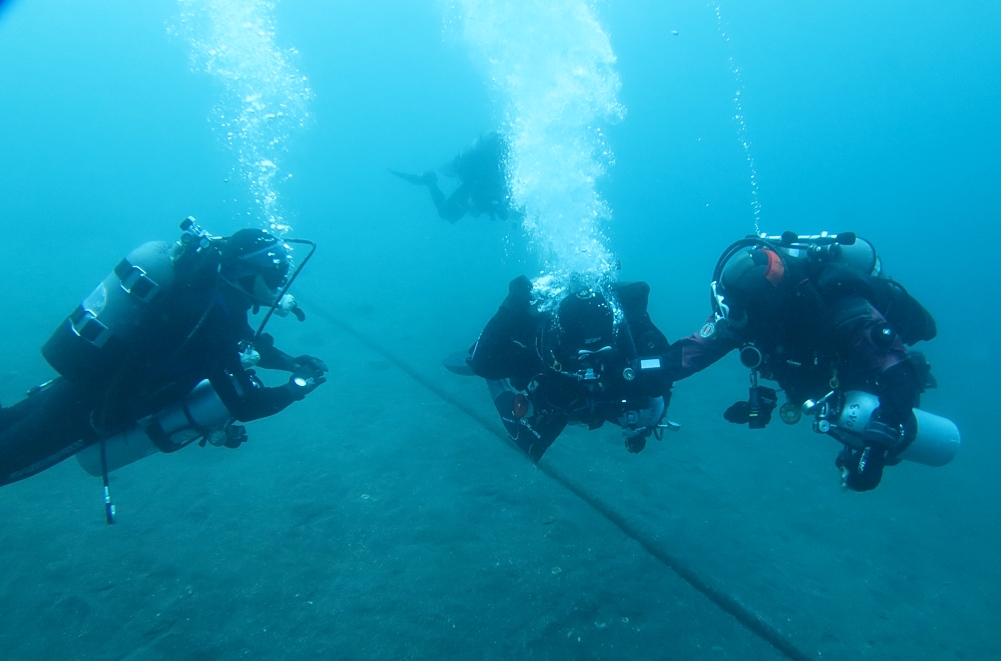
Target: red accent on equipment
<point x="776" y="271"/>
<point x="520" y="406"/>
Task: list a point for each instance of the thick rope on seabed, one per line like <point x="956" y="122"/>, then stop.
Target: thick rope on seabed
<point x="725" y="601"/>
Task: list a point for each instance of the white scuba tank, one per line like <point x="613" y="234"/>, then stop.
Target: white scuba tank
<point x="935" y="439"/>
<point x="199" y="414"/>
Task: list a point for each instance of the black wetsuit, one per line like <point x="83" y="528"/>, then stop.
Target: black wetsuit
<point x="195" y="334"/>
<point x="536" y="402"/>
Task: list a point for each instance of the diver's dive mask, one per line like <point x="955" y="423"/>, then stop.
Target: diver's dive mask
<point x="579" y="338"/>
<point x="262" y="289"/>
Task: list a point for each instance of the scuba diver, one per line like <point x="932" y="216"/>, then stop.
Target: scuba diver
<point x="593" y="357"/>
<point x="818" y="315"/>
<point x="482" y="175"/>
<point x="161" y="354"/>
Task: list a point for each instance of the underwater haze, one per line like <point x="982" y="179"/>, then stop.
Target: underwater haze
<point x="384" y="517"/>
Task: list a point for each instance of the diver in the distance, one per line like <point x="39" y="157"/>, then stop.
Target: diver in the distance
<point x="591" y="358"/>
<point x="162" y="354"/>
<point x="818" y="315"/>
<point x="482" y="174"/>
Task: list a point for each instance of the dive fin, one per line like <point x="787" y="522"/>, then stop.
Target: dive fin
<point x="450" y="169"/>
<point x="422" y="179"/>
<point x="456" y="363"/>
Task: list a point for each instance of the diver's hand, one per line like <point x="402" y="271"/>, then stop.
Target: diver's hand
<point x="757" y="411"/>
<point x="636" y="443"/>
<point x="287" y="305"/>
<point x="235" y="435"/>
<point x="309" y="361"/>
<point x="738" y="414"/>
<point x="861" y="470"/>
<point x="304" y="380"/>
<point x="878" y="434"/>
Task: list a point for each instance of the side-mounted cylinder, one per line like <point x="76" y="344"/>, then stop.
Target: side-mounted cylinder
<point x="198" y="415"/>
<point x="929" y="439"/>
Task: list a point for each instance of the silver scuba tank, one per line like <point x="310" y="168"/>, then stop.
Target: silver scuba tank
<point x="199" y="414"/>
<point x="860" y="256"/>
<point x="87" y="347"/>
<point x="935" y="440"/>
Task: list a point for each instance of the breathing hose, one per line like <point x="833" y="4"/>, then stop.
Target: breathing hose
<point x="288" y="285"/>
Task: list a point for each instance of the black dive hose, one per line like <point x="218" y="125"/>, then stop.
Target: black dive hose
<point x="288" y="285"/>
<point x="728" y="254"/>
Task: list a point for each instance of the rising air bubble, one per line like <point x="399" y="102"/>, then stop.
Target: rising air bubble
<point x="263" y="94"/>
<point x="741" y="124"/>
<point x="552" y="66"/>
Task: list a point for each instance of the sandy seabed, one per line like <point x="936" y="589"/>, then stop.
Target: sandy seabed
<point x="385" y="519"/>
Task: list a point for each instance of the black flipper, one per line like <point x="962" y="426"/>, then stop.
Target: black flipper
<point x="422" y="179"/>
<point x="457" y="363"/>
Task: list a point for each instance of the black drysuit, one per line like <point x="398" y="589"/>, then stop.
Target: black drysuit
<point x="536" y="402"/>
<point x="193" y="334"/>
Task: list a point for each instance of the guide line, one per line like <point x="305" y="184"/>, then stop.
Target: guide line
<point x="730" y="604"/>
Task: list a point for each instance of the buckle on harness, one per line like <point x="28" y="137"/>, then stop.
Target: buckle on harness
<point x="86" y="326"/>
<point x="135" y="281"/>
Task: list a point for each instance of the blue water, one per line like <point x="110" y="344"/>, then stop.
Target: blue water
<point x="644" y="132"/>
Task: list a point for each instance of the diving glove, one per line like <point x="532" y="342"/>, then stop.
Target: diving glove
<point x="756" y="412"/>
<point x="636" y="443"/>
<point x="234" y="436"/>
<point x="881" y="435"/>
<point x="861" y="470"/>
<point x="311" y="362"/>
<point x="305" y="380"/>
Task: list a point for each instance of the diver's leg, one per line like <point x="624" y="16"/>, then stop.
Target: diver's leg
<point x="454" y="206"/>
<point x="451" y="208"/>
<point x="43" y="429"/>
<point x="532" y="431"/>
<point x="506" y="212"/>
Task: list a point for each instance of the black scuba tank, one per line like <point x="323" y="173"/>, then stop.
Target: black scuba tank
<point x="88" y="346"/>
